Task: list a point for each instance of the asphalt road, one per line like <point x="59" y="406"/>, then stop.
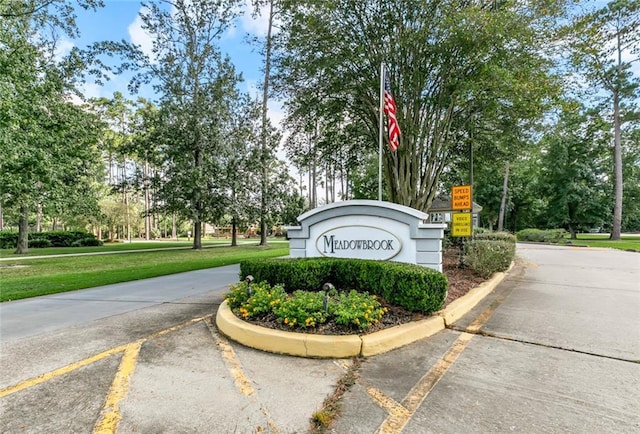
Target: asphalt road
<point x="555" y="348"/>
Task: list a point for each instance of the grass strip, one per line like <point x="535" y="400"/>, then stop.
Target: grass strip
<point x="626" y="242"/>
<point x="37" y="277"/>
<point x="119" y="247"/>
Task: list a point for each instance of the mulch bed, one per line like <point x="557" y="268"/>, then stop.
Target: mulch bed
<point x="461" y="280"/>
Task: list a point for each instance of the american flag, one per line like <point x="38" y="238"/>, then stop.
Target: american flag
<point x="390" y="111"/>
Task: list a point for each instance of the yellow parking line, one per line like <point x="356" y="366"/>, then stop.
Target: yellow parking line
<point x="89" y="360"/>
<point x="60" y="371"/>
<point x="233" y="364"/>
<point x="242" y="382"/>
<point x="108" y="423"/>
<point x="481" y="319"/>
<point x="397" y="420"/>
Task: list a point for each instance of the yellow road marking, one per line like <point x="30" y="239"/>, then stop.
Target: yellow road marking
<point x="477" y="324"/>
<point x="60" y="371"/>
<point x="108" y="423"/>
<point x="233" y="364"/>
<point x="241" y="380"/>
<point x="397" y="420"/>
<point x="89" y="360"/>
<point x="394" y="408"/>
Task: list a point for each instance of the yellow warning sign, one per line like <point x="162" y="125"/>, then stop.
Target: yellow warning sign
<point x="461" y="197"/>
<point x="461" y="224"/>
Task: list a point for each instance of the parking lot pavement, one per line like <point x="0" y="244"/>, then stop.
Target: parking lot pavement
<point x="165" y="368"/>
<point x="185" y="378"/>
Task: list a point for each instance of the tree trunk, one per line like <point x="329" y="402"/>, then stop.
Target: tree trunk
<point x="1" y="218"/>
<point x="174" y="230"/>
<point x="23" y="231"/>
<point x="616" y="228"/>
<point x="147" y="214"/>
<point x="572" y="233"/>
<point x="197" y="235"/>
<point x="265" y="98"/>
<point x="234" y="233"/>
<point x="39" y="218"/>
<point x="503" y="202"/>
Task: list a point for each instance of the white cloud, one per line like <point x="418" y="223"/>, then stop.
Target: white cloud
<point x="140" y="37"/>
<point x="256" y="25"/>
<point x="63" y="47"/>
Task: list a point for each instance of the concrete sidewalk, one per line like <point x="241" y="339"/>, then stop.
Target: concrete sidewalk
<point x="553" y="349"/>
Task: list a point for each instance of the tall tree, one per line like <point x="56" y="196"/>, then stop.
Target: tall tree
<point x="196" y="84"/>
<point x="572" y="179"/>
<point x="606" y="44"/>
<point x="47" y="145"/>
<point x="449" y="61"/>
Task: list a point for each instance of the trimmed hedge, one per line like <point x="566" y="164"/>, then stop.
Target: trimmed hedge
<point x="9" y="240"/>
<point x="416" y="288"/>
<point x="542" y="236"/>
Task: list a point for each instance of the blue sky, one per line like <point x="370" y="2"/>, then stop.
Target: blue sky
<point x="118" y="20"/>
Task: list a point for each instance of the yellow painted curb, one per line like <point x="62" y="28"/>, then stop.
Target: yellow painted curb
<point x="291" y="343"/>
<point x="343" y="346"/>
<point x="461" y="306"/>
<point x="399" y="336"/>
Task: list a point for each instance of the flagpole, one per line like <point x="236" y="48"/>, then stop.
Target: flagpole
<point x="381" y="124"/>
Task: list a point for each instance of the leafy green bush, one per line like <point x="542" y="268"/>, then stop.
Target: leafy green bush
<point x="357" y="309"/>
<point x="411" y="286"/>
<point x="495" y="236"/>
<point x="9" y="240"/>
<point x="303" y="309"/>
<point x="239" y="293"/>
<point x="542" y="236"/>
<point x="86" y="242"/>
<point x="91" y="242"/>
<point x="263" y="299"/>
<point x="487" y="256"/>
<point x="39" y="243"/>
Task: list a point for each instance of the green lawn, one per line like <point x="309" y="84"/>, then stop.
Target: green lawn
<point x="627" y="242"/>
<point x="34" y="277"/>
<point x="117" y="247"/>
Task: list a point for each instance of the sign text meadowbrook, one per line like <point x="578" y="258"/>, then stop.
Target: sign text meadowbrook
<point x="332" y="244"/>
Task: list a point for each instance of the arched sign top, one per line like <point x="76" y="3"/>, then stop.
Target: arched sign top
<point x="360" y="206"/>
<point x="361" y="242"/>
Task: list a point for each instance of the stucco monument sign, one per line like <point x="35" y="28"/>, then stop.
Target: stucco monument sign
<point x="368" y="229"/>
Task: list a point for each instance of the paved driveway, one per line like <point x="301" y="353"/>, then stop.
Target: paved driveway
<point x="554" y="349"/>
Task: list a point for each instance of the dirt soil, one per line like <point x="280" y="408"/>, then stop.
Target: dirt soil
<point x="461" y="280"/>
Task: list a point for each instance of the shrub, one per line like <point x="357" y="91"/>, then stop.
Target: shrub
<point x="411" y="286"/>
<point x="357" y="309"/>
<point x="239" y="293"/>
<point x="263" y="300"/>
<point x="91" y="242"/>
<point x="487" y="257"/>
<point x="542" y="236"/>
<point x="495" y="236"/>
<point x="39" y="243"/>
<point x="303" y="309"/>
<point x="9" y="240"/>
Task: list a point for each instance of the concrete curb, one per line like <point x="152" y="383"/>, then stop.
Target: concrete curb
<point x="345" y="346"/>
<point x="459" y="308"/>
